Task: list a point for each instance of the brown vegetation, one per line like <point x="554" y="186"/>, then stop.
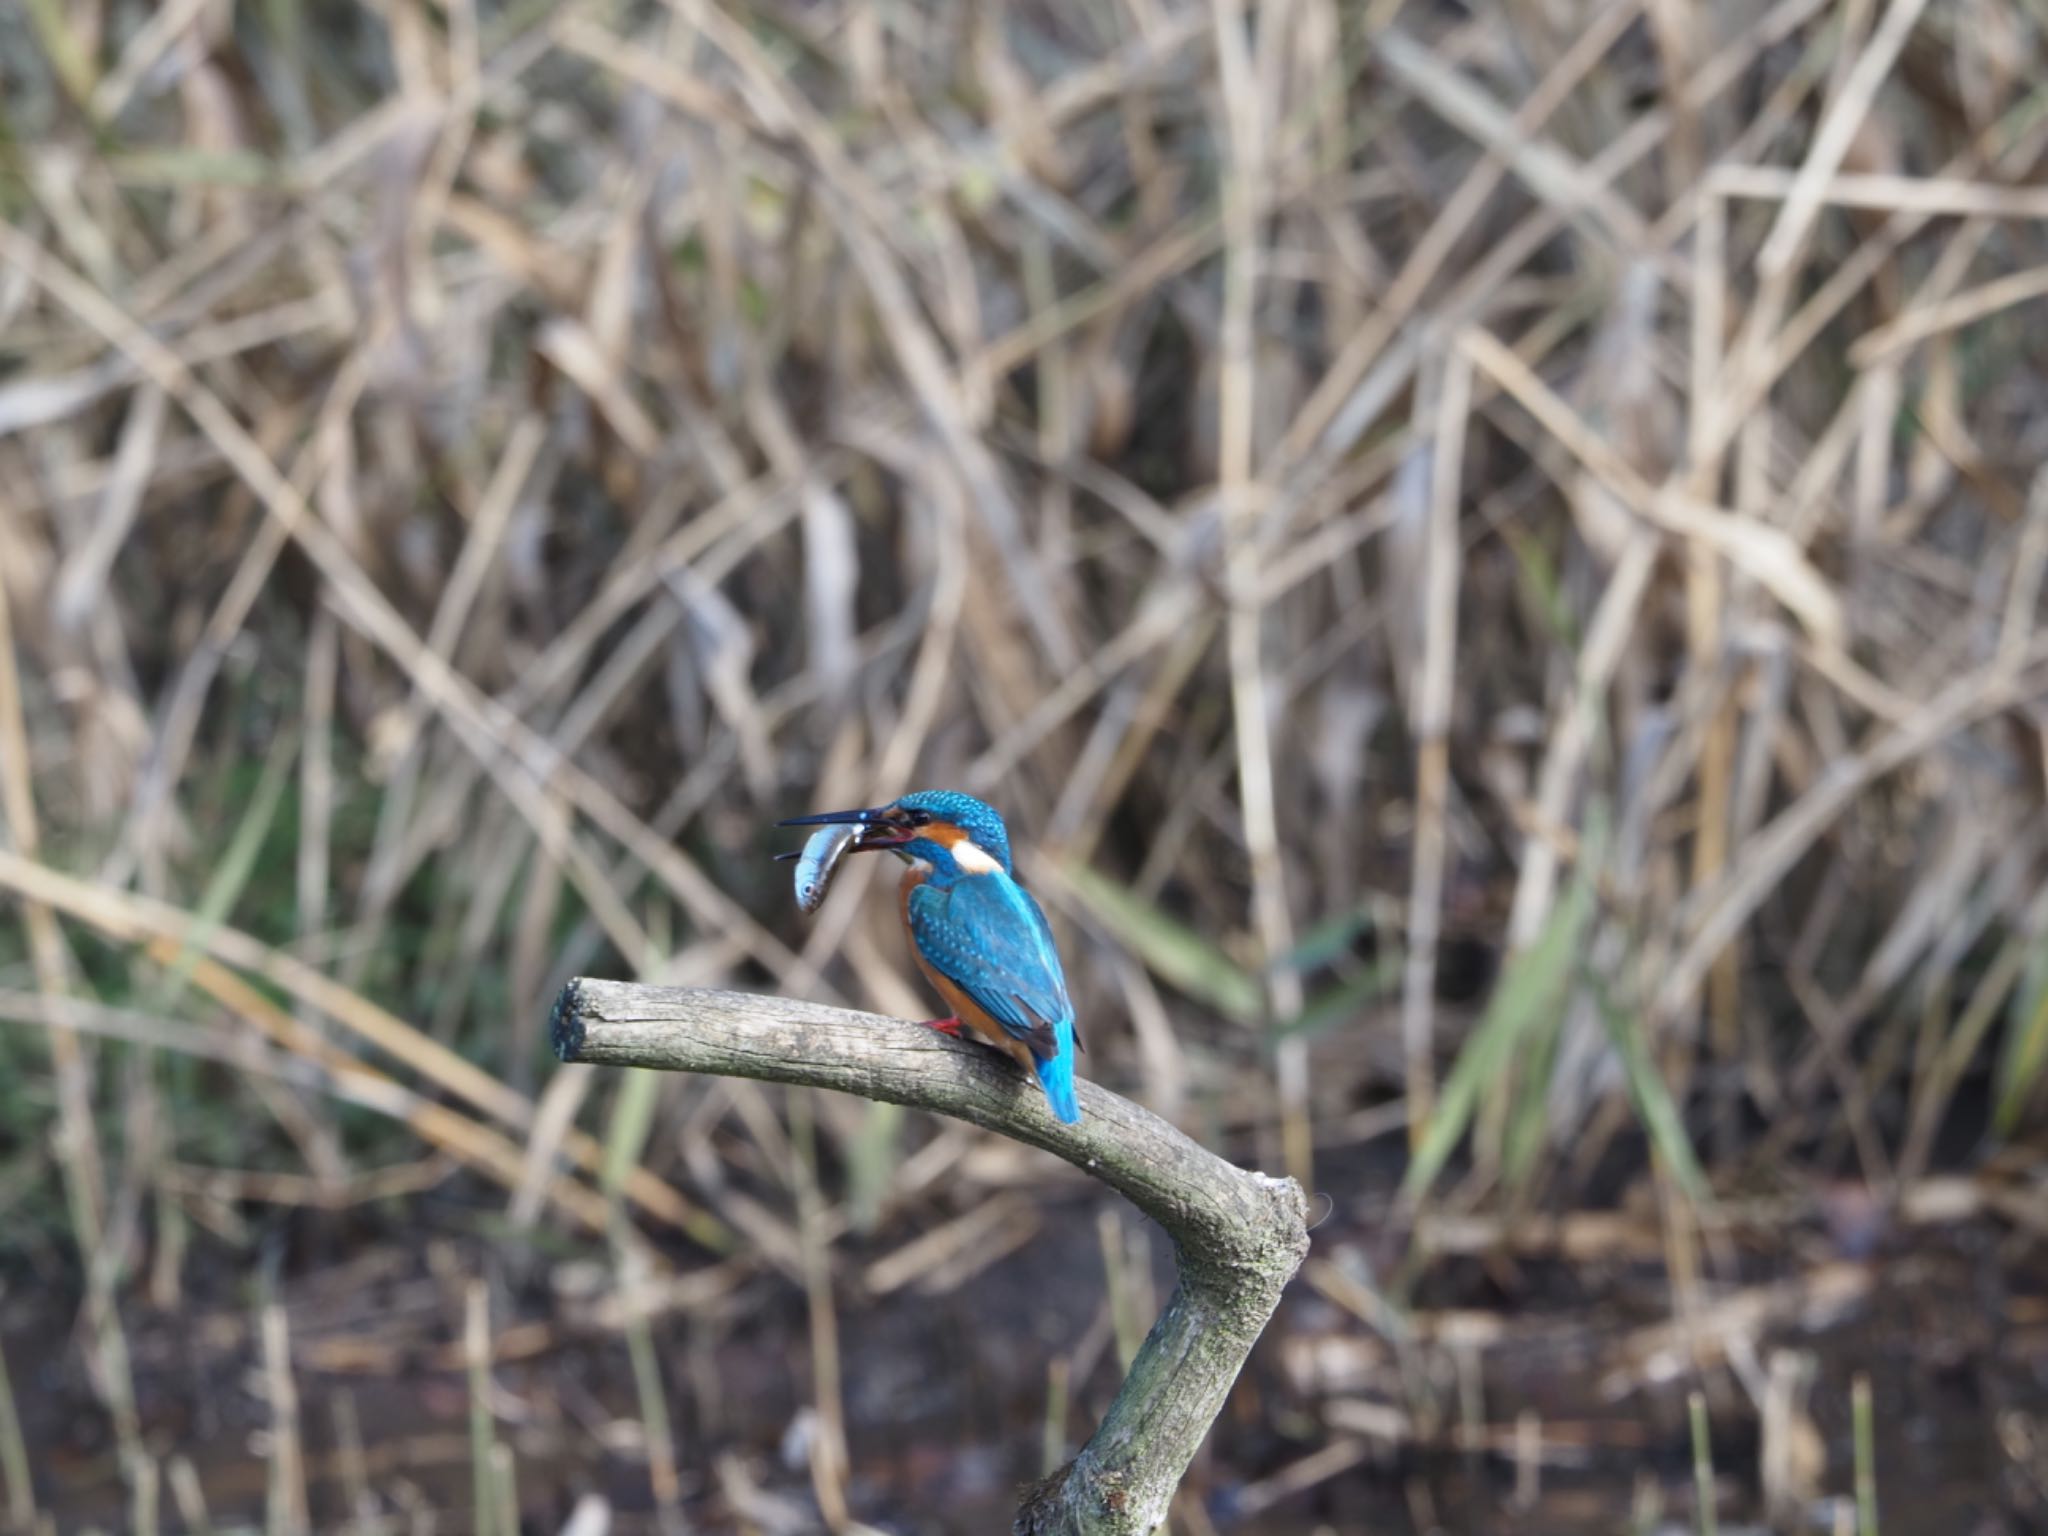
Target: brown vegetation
<point x="1492" y="555"/>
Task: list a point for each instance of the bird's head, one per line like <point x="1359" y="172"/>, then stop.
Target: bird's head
<point x="952" y="832"/>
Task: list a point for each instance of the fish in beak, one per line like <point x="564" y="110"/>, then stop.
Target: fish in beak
<point x="839" y="833"/>
<point x="878" y="827"/>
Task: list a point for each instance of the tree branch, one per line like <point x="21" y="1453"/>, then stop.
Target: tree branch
<point x="1238" y="1235"/>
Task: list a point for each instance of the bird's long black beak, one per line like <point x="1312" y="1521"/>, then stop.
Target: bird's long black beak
<point x="835" y="818"/>
<point x="880" y="827"/>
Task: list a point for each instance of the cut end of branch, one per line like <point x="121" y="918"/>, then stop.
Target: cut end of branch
<point x="565" y="1022"/>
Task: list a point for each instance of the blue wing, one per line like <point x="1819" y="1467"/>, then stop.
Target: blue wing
<point x="987" y="936"/>
<point x="1045" y="937"/>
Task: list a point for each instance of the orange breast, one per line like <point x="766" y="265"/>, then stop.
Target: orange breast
<point x="964" y="1007"/>
<point x="913" y="877"/>
<point x="970" y="1013"/>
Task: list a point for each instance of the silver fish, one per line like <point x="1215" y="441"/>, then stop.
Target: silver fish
<point x="821" y="856"/>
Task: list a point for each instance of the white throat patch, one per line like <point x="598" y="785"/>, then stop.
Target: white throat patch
<point x="974" y="859"/>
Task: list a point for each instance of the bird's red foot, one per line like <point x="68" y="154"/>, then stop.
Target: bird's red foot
<point x="945" y="1026"/>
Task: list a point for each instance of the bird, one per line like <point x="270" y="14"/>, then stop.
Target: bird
<point x="980" y="938"/>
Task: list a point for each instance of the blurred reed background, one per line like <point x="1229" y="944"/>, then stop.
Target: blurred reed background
<point x="1491" y="553"/>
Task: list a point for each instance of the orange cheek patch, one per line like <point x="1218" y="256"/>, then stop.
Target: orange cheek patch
<point x="967" y="853"/>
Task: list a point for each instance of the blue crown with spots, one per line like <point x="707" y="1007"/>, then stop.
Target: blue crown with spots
<point x="978" y="820"/>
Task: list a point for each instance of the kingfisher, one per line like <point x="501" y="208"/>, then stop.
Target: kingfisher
<point x="979" y="937"/>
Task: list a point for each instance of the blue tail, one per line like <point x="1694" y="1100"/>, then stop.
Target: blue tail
<point x="1056" y="1076"/>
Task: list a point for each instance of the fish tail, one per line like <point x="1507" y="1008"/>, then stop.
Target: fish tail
<point x="1056" y="1076"/>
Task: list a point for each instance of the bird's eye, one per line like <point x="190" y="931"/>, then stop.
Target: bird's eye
<point x="920" y="818"/>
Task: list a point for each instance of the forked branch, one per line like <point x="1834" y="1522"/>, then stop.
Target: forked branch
<point x="1238" y="1235"/>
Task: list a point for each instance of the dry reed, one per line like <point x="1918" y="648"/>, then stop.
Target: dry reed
<point x="1493" y="556"/>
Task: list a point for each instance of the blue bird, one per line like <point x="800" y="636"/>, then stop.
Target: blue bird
<point x="979" y="937"/>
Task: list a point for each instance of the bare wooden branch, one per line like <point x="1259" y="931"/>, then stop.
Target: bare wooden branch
<point x="1238" y="1235"/>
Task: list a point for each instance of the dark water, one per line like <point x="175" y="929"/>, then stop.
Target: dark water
<point x="945" y="1395"/>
